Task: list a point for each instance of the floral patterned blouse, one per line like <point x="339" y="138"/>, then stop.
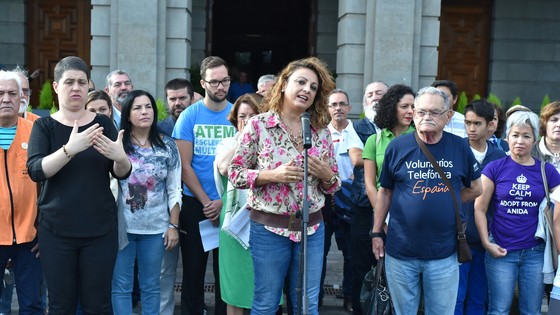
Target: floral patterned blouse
<point x="264" y="144"/>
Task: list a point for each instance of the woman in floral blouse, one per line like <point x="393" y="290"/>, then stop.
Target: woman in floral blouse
<point x="269" y="162"/>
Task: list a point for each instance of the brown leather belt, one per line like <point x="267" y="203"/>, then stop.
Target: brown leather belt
<point x="290" y="222"/>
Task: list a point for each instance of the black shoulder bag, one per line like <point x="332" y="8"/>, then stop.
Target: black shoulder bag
<point x="463" y="250"/>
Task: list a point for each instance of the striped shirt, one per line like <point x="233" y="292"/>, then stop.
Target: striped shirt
<point x="7" y="136"/>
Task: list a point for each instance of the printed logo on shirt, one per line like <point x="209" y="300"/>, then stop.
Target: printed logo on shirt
<point x="519" y="190"/>
<point x="423" y="170"/>
<point x="207" y="137"/>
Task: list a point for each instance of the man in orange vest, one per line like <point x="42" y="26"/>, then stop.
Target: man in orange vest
<point x="18" y="199"/>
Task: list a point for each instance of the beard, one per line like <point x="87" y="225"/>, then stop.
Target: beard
<point x="122" y="97"/>
<point x="215" y="98"/>
<point x="23" y="106"/>
<point x="370" y="112"/>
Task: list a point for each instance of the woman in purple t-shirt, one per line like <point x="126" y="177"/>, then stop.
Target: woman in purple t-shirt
<point x="514" y="184"/>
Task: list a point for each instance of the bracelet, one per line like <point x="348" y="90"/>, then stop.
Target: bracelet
<point x="171" y="225"/>
<point x="66" y="152"/>
<point x="376" y="234"/>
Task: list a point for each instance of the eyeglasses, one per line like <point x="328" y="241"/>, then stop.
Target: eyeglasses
<point x="341" y="104"/>
<point x="215" y="83"/>
<point x="27" y="92"/>
<point x="422" y="113"/>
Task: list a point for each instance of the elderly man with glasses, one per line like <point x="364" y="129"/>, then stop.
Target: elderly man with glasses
<point x="420" y="247"/>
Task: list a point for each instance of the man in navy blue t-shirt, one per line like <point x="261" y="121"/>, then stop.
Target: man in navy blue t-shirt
<point x="422" y="233"/>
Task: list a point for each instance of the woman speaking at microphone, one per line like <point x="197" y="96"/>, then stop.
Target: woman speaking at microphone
<point x="270" y="163"/>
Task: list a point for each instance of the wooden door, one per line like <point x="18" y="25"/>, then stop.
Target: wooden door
<point x="464" y="43"/>
<point x="56" y="29"/>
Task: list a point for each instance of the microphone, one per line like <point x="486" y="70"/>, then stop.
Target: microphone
<point x="306" y="130"/>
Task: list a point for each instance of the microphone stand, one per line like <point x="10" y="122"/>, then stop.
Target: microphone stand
<point x="303" y="299"/>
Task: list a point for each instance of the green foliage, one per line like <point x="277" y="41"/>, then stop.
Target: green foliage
<point x="462" y="102"/>
<point x="161" y="109"/>
<point x="516" y="101"/>
<point x="53" y="109"/>
<point x="46" y="96"/>
<point x="476" y="97"/>
<point x="545" y="101"/>
<point x="494" y="99"/>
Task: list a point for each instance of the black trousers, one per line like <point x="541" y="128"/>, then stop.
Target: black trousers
<point x="362" y="254"/>
<point x="83" y="265"/>
<point x="195" y="260"/>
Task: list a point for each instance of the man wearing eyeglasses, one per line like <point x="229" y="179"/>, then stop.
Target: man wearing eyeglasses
<point x="26" y="94"/>
<point x="197" y="131"/>
<point x="336" y="214"/>
<point x="420" y="249"/>
<point x="456" y="124"/>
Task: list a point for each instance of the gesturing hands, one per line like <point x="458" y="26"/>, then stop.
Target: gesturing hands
<point x="112" y="150"/>
<point x="288" y="173"/>
<point x="320" y="167"/>
<point x="79" y="141"/>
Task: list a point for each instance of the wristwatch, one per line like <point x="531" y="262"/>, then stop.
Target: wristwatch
<point x="376" y="234"/>
<point x="332" y="180"/>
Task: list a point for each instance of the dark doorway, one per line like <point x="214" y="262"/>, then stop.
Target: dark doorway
<point x="261" y="36"/>
<point x="55" y="29"/>
<point x="464" y="44"/>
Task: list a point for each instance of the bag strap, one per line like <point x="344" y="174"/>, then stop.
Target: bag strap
<point x="543" y="174"/>
<point x="428" y="154"/>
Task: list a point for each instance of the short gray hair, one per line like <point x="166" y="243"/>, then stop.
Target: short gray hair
<point x="11" y="75"/>
<point x="265" y="78"/>
<point x="109" y="79"/>
<point x="523" y="119"/>
<point x="432" y="91"/>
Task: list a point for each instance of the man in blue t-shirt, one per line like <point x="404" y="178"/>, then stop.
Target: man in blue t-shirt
<point x="421" y="243"/>
<point x="198" y="130"/>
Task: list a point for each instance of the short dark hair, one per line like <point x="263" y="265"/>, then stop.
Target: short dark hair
<point x="154" y="136"/>
<point x="100" y="95"/>
<point x="209" y="63"/>
<point x="70" y="63"/>
<point x="482" y="109"/>
<point x="341" y="91"/>
<point x="449" y="84"/>
<point x="180" y="83"/>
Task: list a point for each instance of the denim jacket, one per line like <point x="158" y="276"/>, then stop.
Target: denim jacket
<point x="364" y="128"/>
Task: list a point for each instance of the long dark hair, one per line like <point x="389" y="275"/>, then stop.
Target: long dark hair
<point x="153" y="136"/>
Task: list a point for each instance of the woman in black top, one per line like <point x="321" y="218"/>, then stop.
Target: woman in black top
<point x="72" y="153"/>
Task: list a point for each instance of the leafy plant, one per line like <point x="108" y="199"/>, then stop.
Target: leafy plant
<point x="545" y="101"/>
<point x="476" y="97"/>
<point x="53" y="109"/>
<point x="516" y="101"/>
<point x="462" y="102"/>
<point x="162" y="109"/>
<point x="46" y="96"/>
<point x="492" y="98"/>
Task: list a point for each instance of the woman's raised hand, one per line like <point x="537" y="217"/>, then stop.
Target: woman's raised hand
<point x="79" y="141"/>
<point x="112" y="150"/>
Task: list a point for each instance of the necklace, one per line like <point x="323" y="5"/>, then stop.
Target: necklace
<point x="141" y="143"/>
<point x="297" y="140"/>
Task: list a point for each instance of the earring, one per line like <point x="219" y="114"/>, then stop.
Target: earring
<point x="282" y="90"/>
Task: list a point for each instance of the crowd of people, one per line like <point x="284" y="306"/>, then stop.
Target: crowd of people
<point x="99" y="198"/>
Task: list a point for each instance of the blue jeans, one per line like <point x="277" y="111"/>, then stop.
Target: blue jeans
<point x="27" y="276"/>
<point x="523" y="265"/>
<point x="438" y="279"/>
<point x="473" y="285"/>
<point x="274" y="257"/>
<point x="148" y="251"/>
